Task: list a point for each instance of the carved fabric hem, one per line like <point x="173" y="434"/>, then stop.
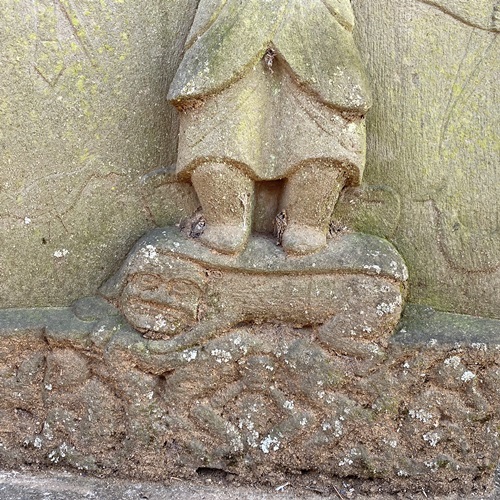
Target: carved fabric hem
<point x="268" y="126"/>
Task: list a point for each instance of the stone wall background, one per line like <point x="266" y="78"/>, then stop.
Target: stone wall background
<point x="433" y="139"/>
<point x="83" y="116"/>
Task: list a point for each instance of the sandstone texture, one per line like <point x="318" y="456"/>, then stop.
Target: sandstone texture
<point x="80" y="389"/>
<point x="432" y="138"/>
<point x="171" y="284"/>
<point x="83" y="116"/>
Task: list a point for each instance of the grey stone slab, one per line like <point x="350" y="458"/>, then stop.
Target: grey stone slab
<point x="424" y="325"/>
<point x="66" y="486"/>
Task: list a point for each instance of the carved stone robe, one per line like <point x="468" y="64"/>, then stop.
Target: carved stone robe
<point x="271" y="120"/>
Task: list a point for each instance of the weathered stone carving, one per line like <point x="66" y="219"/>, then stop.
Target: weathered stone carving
<point x="80" y="389"/>
<point x="171" y="285"/>
<point x="266" y="91"/>
<point x="270" y="90"/>
<point x="273" y="365"/>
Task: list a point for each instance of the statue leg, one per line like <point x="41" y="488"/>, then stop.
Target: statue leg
<point x="309" y="198"/>
<point x="227" y="197"/>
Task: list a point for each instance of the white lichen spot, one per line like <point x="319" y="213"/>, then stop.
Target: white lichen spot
<point x="479" y="346"/>
<point x="345" y="461"/>
<point x="59" y="254"/>
<point x="160" y="323"/>
<point x="149" y="252"/>
<point x="190" y="355"/>
<point x="27" y="221"/>
<point x="246" y="423"/>
<point x="237" y="341"/>
<point x="403" y="274"/>
<point x="406" y="365"/>
<point x="48" y="387"/>
<point x="432" y="342"/>
<point x="53" y="456"/>
<point x="303" y="422"/>
<point x="47" y="431"/>
<point x="269" y="368"/>
<point x="386" y="308"/>
<point x="402" y="473"/>
<point x="422" y="415"/>
<point x="453" y="361"/>
<point x="373" y="267"/>
<point x="37" y="442"/>
<point x="150" y="395"/>
<point x="63" y="450"/>
<point x="253" y="438"/>
<point x="326" y="426"/>
<point x="330" y="398"/>
<point x="393" y="443"/>
<point x="338" y="428"/>
<point x="269" y="443"/>
<point x="431" y="464"/>
<point x="432" y="438"/>
<point x="289" y="405"/>
<point x="221" y="356"/>
<point x="467" y="376"/>
<point x="235" y="441"/>
<point x="321" y="394"/>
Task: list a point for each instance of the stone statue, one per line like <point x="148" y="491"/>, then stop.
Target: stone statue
<point x="270" y="90"/>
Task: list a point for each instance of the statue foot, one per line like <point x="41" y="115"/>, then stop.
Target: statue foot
<point x="225" y="238"/>
<point x="302" y="240"/>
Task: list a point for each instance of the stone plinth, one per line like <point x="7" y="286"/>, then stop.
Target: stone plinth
<point x="171" y="285"/>
<point x="80" y="389"/>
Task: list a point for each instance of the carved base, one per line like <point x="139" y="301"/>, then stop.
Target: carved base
<point x="173" y="287"/>
<point x="79" y="388"/>
<point x="259" y="365"/>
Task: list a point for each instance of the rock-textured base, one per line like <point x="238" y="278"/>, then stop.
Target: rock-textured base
<point x="79" y="388"/>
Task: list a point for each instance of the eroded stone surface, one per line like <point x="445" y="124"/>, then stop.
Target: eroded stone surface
<point x="171" y="285"/>
<point x="101" y="398"/>
<point x="83" y="117"/>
